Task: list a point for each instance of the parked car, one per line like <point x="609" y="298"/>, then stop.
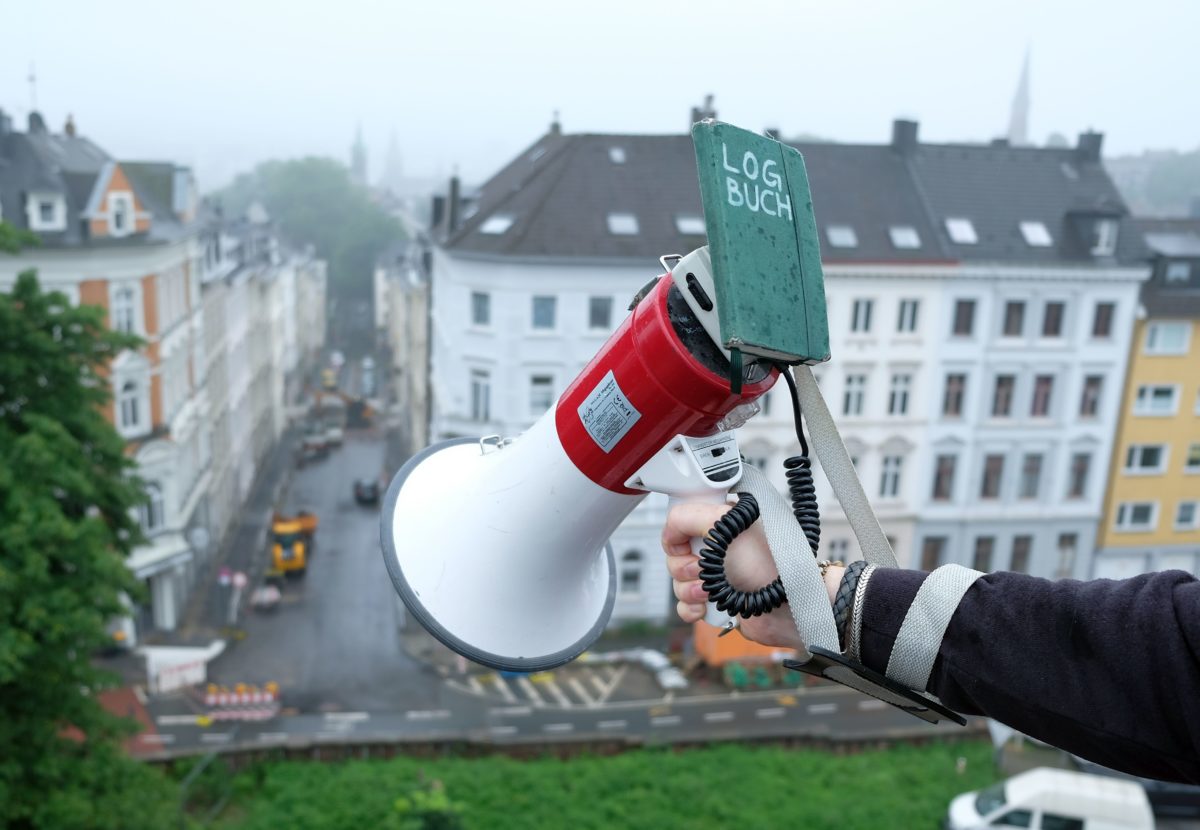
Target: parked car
<point x="366" y="491"/>
<point x="1167" y="798"/>
<point x="1054" y="798"/>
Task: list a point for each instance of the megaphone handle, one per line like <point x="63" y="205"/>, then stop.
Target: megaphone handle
<point x="712" y="616"/>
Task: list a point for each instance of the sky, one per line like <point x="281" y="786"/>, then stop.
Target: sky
<point x="467" y="85"/>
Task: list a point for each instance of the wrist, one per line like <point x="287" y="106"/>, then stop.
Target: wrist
<point x="833" y="578"/>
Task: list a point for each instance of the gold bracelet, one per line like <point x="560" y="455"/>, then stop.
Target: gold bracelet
<point x="826" y="564"/>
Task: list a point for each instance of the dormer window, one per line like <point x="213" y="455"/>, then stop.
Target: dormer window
<point x="961" y="231"/>
<point x="1178" y="271"/>
<point x="120" y="213"/>
<point x="1104" y="241"/>
<point x="1036" y="235"/>
<point x="904" y="236"/>
<point x="46" y="212"/>
<point x="841" y="236"/>
<point x="622" y="224"/>
<point x="690" y="224"/>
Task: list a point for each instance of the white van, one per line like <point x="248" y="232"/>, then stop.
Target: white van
<point x="1054" y="799"/>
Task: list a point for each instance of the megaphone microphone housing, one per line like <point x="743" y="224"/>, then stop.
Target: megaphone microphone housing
<point x="499" y="548"/>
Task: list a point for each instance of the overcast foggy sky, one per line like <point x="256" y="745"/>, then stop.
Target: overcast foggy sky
<point x="222" y="85"/>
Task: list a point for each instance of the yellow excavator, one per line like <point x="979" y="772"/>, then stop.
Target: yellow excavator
<point x="292" y="539"/>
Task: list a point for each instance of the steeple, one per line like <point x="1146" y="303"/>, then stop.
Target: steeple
<point x="1018" y="121"/>
<point x="358" y="158"/>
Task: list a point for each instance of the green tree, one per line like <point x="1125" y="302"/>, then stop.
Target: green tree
<point x="14" y="239"/>
<point x="315" y="201"/>
<point x="427" y="807"/>
<point x="67" y="504"/>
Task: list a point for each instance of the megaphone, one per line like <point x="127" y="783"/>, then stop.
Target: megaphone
<point x="499" y="546"/>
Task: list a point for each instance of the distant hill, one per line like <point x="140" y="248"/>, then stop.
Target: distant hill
<point x="1159" y="182"/>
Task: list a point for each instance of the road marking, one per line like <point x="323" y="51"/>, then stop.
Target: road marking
<point x="822" y="708"/>
<point x="503" y="730"/>
<point x="273" y="736"/>
<point x="718" y="717"/>
<point x="773" y="712"/>
<point x="157" y="738"/>
<point x="177" y="720"/>
<point x="530" y="692"/>
<point x="505" y="692"/>
<point x="542" y="677"/>
<point x="510" y="710"/>
<point x="868" y="705"/>
<point x="665" y="720"/>
<point x="613" y="680"/>
<point x="557" y="693"/>
<point x="577" y="688"/>
<point x="330" y="736"/>
<point x="612" y="724"/>
<point x="427" y="714"/>
<point x="596" y="682"/>
<point x="558" y="727"/>
<point x="216" y="737"/>
<point x="475" y="685"/>
<point x="347" y="717"/>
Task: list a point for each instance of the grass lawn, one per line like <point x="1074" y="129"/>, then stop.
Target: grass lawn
<point x="723" y="786"/>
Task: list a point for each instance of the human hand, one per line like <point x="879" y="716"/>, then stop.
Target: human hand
<point x="748" y="566"/>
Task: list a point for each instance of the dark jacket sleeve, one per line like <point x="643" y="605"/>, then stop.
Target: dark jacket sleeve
<point x="1108" y="670"/>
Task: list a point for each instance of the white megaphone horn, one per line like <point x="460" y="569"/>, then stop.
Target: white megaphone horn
<point x="499" y="547"/>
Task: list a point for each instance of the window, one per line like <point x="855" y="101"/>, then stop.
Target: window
<point x="961" y="231"/>
<point x="543" y="312"/>
<point x="1031" y="476"/>
<point x="622" y="224"/>
<point x="984" y="546"/>
<point x="690" y="225"/>
<point x="1014" y="318"/>
<point x="497" y="224"/>
<point x="1185" y="516"/>
<point x="1014" y="818"/>
<point x="1102" y="319"/>
<point x="952" y="400"/>
<point x="904" y="236"/>
<point x="1052" y="822"/>
<point x="1036" y="235"/>
<point x="600" y="312"/>
<point x="964" y="317"/>
<point x="932" y="549"/>
<point x="1137" y="515"/>
<point x="1043" y="390"/>
<point x="943" y="478"/>
<point x="860" y="318"/>
<point x="907" y="320"/>
<point x="1105" y="240"/>
<point x="1077" y="479"/>
<point x="1020" y="554"/>
<point x="631" y="572"/>
<point x="616" y="155"/>
<point x="1089" y="401"/>
<point x="123" y="310"/>
<point x="1156" y="400"/>
<point x="1142" y="459"/>
<point x="898" y="398"/>
<point x="993" y="473"/>
<point x="1168" y="338"/>
<point x="46" y="211"/>
<point x="120" y="213"/>
<point x="856" y="386"/>
<point x="1191" y="463"/>
<point x="889" y="482"/>
<point x="128" y="404"/>
<point x="541" y="393"/>
<point x="1178" y="272"/>
<point x="1067" y="543"/>
<point x="1052" y="319"/>
<point x="152" y="516"/>
<point x="1003" y="397"/>
<point x="481" y="308"/>
<point x="841" y="236"/>
<point x="838" y="549"/>
<point x="481" y="393"/>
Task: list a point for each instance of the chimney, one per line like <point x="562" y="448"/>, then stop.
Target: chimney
<point x="702" y="112"/>
<point x="69" y="127"/>
<point x="37" y="124"/>
<point x="771" y="132"/>
<point x="439" y="210"/>
<point x="1088" y="148"/>
<point x="904" y="136"/>
<point x="453" y="208"/>
<point x="556" y="125"/>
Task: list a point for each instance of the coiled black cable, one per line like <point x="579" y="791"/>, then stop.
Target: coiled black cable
<point x="745" y="513"/>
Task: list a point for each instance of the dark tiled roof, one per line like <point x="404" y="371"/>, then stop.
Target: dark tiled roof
<point x="1172" y="240"/>
<point x="560" y="191"/>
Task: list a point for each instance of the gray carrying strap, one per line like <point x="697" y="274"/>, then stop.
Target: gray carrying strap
<point x="920" y="636"/>
<point x="807" y="597"/>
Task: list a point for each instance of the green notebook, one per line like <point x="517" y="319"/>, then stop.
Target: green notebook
<point x="762" y="238"/>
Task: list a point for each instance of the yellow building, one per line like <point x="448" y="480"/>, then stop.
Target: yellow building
<point x="1151" y="515"/>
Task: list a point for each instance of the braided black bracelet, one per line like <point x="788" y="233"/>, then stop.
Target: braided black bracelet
<point x="843" y="601"/>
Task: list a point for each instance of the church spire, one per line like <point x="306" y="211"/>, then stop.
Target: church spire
<point x="1018" y="121"/>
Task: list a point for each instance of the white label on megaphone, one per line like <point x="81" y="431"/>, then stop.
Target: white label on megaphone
<point x="607" y="414"/>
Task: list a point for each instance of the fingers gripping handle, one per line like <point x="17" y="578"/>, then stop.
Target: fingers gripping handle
<point x="712" y="616"/>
